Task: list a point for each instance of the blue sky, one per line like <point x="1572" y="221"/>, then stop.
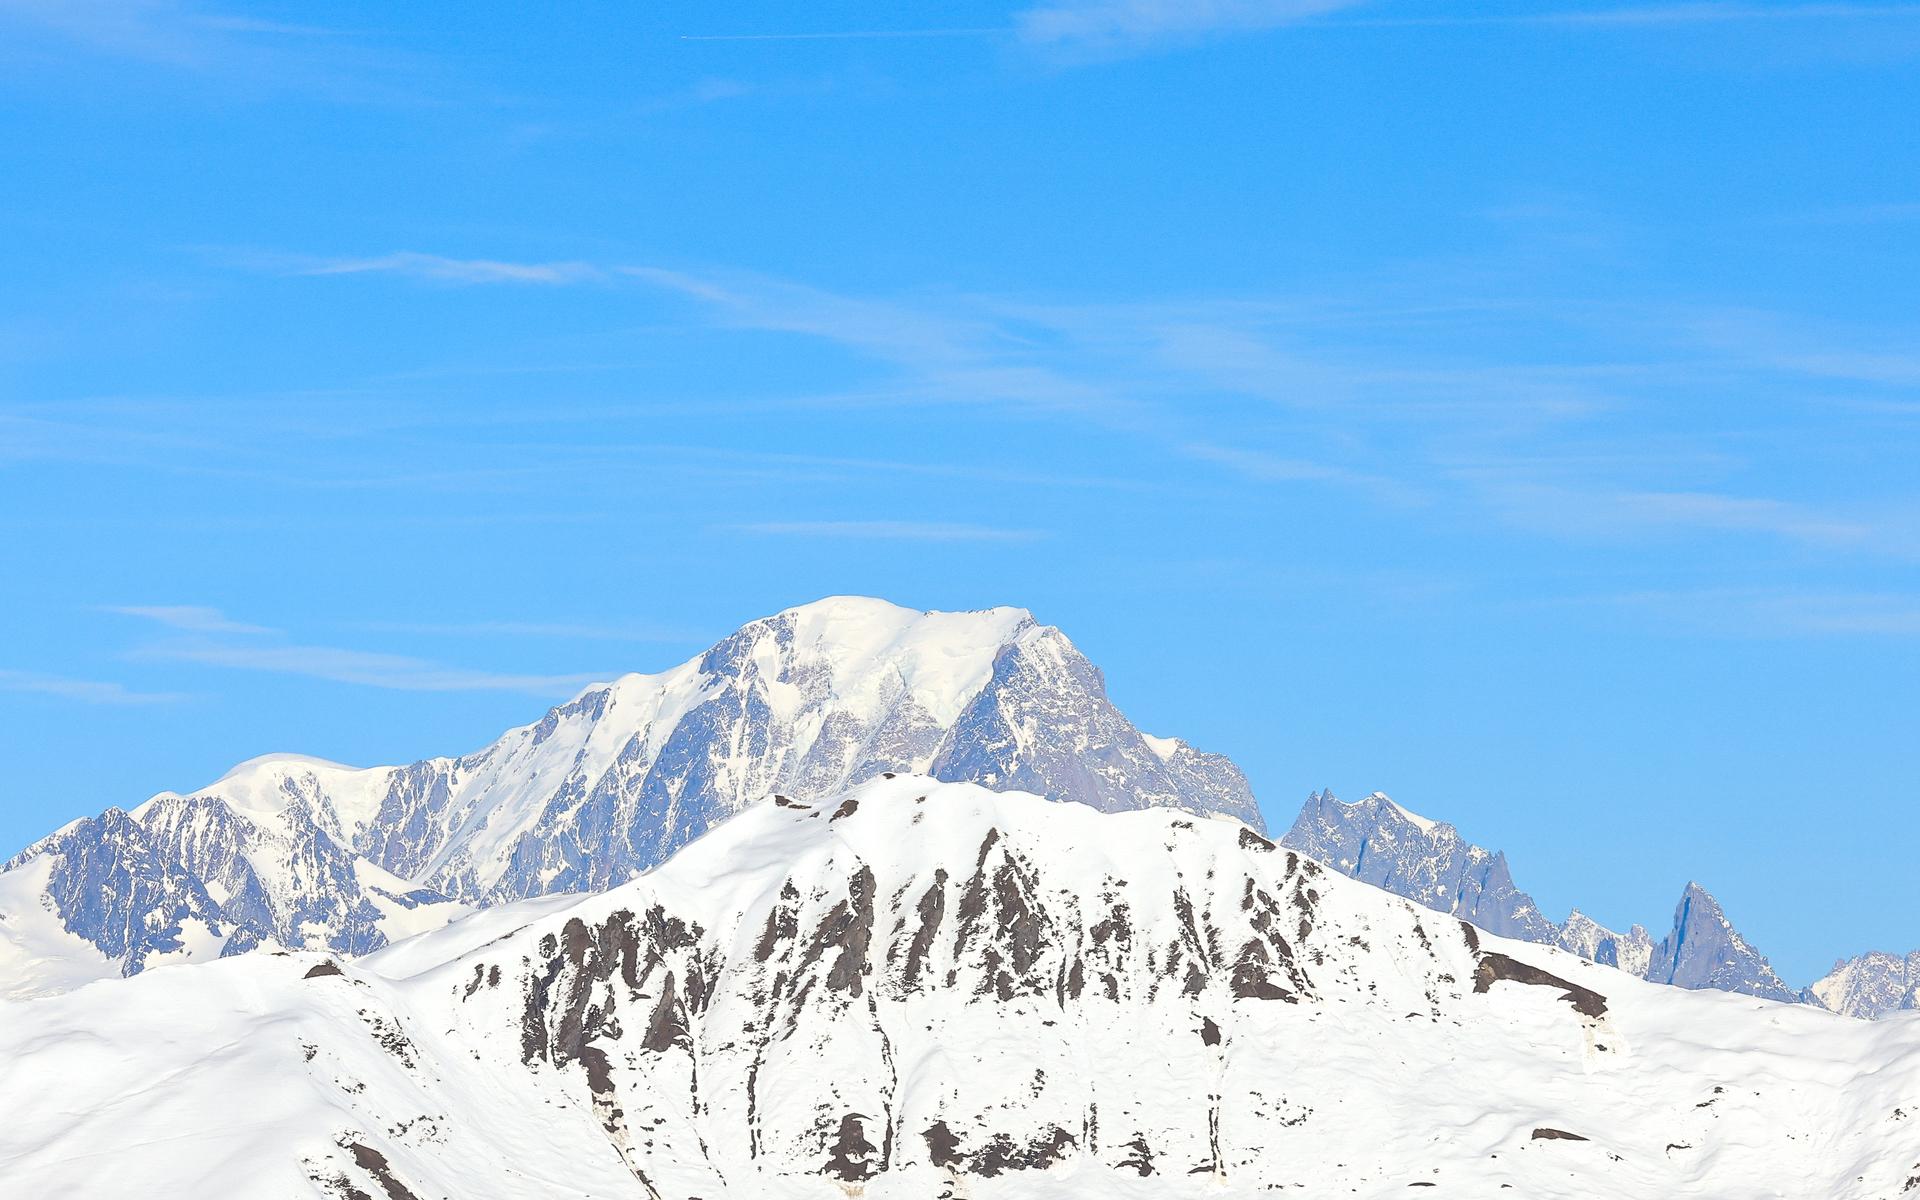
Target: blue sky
<point x="1513" y="408"/>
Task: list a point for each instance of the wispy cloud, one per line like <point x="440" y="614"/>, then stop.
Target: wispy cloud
<point x="1854" y="214"/>
<point x="893" y="330"/>
<point x="1102" y="28"/>
<point x="440" y="269"/>
<point x="1114" y="25"/>
<point x="956" y="353"/>
<point x="210" y="638"/>
<point x="192" y="618"/>
<point x="1811" y="349"/>
<point x="253" y="54"/>
<point x="1403" y="389"/>
<point x="86" y="691"/>
<point x="639" y="632"/>
<point x="1651" y="15"/>
<point x="153" y="30"/>
<point x="1278" y="468"/>
<point x="847" y="35"/>
<point x="1770" y="611"/>
<point x="1708" y="510"/>
<point x="908" y="531"/>
<point x="1110" y="27"/>
<point x="1594" y="512"/>
<point x="396" y="672"/>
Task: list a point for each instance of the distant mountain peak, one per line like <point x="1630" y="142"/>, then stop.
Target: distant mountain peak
<point x="1705" y="951"/>
<point x="806" y="702"/>
<point x="1378" y="841"/>
<point x="1872" y="985"/>
<point x="1383" y="843"/>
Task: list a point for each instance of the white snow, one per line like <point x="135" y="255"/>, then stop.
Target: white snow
<point x="37" y="955"/>
<point x="398" y="920"/>
<point x="865" y="646"/>
<point x="1163" y="748"/>
<point x="1423" y="824"/>
<point x="245" y="1078"/>
<point x="262" y="787"/>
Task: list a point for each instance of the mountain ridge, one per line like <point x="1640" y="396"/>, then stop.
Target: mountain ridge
<point x="302" y="852"/>
<point x="917" y="988"/>
<point x="1381" y="842"/>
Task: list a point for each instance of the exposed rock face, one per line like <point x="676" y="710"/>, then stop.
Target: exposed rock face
<point x="996" y="936"/>
<point x="1705" y="951"/>
<point x="123" y="892"/>
<point x="196" y="877"/>
<point x="312" y="854"/>
<point x="921" y="989"/>
<point x="1631" y="951"/>
<point x="1043" y="724"/>
<point x="1872" y="986"/>
<point x="1428" y="862"/>
<point x="1377" y="841"/>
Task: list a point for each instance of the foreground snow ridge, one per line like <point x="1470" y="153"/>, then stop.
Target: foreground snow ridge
<point x="919" y="989"/>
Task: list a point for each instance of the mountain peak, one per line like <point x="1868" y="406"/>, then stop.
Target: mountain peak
<point x="1424" y="824"/>
<point x="804" y="703"/>
<point x="1379" y="842"/>
<point x="1705" y="951"/>
<point x="1871" y="986"/>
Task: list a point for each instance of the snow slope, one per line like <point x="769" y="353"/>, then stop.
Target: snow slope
<point x="919" y="989"/>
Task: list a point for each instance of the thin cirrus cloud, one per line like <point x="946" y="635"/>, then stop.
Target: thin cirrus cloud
<point x="189" y="618"/>
<point x="441" y="269"/>
<point x="958" y="352"/>
<point x="1623" y="17"/>
<point x="1264" y="467"/>
<point x="905" y="531"/>
<point x="257" y="56"/>
<point x="534" y="629"/>
<point x="1084" y="24"/>
<point x="1770" y="612"/>
<point x="206" y="637"/>
<point x="1596" y="512"/>
<point x="1345" y="404"/>
<point x="86" y="691"/>
<point x="395" y="672"/>
<point x="1123" y="24"/>
<point x="1108" y="28"/>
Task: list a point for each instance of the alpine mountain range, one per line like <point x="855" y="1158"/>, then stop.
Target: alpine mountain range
<point x="297" y="853"/>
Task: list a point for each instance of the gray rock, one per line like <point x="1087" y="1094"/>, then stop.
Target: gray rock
<point x="1378" y="842"/>
<point x="1871" y="986"/>
<point x="1705" y="951"/>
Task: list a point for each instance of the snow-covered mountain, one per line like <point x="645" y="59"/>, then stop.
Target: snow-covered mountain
<point x="1631" y="951"/>
<point x="918" y="989"/>
<point x="256" y="858"/>
<point x="1871" y="986"/>
<point x="1428" y="862"/>
<point x="306" y="853"/>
